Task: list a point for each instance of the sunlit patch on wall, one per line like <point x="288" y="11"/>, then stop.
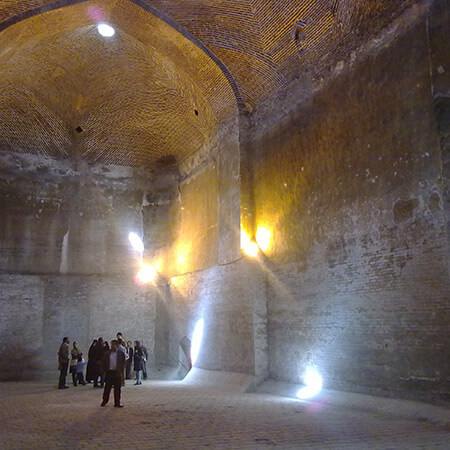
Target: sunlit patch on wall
<point x="313" y="384"/>
<point x="136" y="242"/>
<point x="183" y="256"/>
<point x="146" y="274"/>
<point x="158" y="265"/>
<point x="263" y="238"/>
<point x="249" y="247"/>
<point x="196" y="341"/>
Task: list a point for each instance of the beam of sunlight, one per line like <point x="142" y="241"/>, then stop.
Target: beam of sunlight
<point x="313" y="384"/>
<point x="196" y="341"/>
<point x="136" y="242"/>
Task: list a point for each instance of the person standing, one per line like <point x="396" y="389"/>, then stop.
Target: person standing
<point x="63" y="362"/>
<point x="144" y="367"/>
<point x="91" y="363"/>
<point x="113" y="366"/>
<point x="98" y="354"/>
<point x="122" y="348"/>
<point x="75" y="352"/>
<point x="81" y="364"/>
<point x="129" y="360"/>
<point x="138" y="361"/>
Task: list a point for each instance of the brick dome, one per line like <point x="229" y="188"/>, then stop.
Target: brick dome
<point x="172" y="73"/>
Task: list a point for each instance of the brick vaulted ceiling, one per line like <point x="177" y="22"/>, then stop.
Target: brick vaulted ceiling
<point x="173" y="72"/>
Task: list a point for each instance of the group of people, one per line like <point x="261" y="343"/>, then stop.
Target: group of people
<point x="107" y="366"/>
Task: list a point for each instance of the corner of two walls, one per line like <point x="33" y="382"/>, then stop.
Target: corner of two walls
<point x="213" y="282"/>
<point x="67" y="267"/>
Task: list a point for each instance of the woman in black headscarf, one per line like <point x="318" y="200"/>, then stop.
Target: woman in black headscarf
<point x="91" y="368"/>
<point x="138" y="361"/>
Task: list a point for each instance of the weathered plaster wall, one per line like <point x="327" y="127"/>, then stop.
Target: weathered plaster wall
<point x="438" y="25"/>
<point x="208" y="279"/>
<point x="231" y="299"/>
<point x="21" y="344"/>
<point x="196" y="244"/>
<point x="204" y="213"/>
<point x="350" y="186"/>
<point x="94" y="207"/>
<point x="66" y="264"/>
<point x="37" y="311"/>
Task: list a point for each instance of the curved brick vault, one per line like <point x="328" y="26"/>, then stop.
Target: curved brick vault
<point x="172" y="74"/>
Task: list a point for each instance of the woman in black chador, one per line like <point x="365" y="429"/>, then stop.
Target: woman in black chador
<point x="138" y="361"/>
<point x="90" y="369"/>
<point x="130" y="353"/>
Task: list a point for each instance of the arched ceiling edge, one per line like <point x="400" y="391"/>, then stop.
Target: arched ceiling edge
<point x="164" y="17"/>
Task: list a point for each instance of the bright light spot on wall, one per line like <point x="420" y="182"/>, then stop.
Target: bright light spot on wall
<point x="158" y="265"/>
<point x="105" y="30"/>
<point x="183" y="255"/>
<point x="263" y="236"/>
<point x="313" y="384"/>
<point x="244" y="238"/>
<point x="136" y="242"/>
<point x="250" y="248"/>
<point x="147" y="274"/>
<point x="196" y="341"/>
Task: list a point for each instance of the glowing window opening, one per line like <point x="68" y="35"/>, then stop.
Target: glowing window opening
<point x="105" y="30"/>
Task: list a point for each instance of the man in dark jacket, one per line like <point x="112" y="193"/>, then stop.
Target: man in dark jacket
<point x="113" y="365"/>
<point x="63" y="362"/>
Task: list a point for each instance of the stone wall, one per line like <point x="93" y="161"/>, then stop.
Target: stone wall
<point x="38" y="311"/>
<point x="205" y="276"/>
<point x="65" y="261"/>
<point x="231" y="300"/>
<point x="67" y="216"/>
<point x="68" y="266"/>
<point x="440" y="77"/>
<point x="350" y="187"/>
<point x="205" y="212"/>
